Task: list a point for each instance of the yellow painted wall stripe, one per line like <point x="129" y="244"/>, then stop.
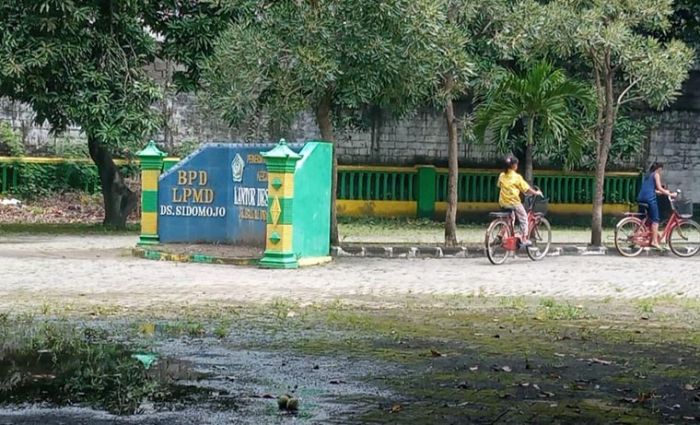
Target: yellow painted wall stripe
<point x="486" y="207"/>
<point x="355" y="208"/>
<point x="149" y="223"/>
<point x="409" y="209"/>
<point x="43" y="160"/>
<point x="285" y="232"/>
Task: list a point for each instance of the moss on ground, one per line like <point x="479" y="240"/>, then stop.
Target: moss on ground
<point x="471" y="359"/>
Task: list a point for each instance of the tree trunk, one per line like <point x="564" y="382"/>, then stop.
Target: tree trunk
<point x="323" y="118"/>
<point x="453" y="170"/>
<point x="602" y="161"/>
<point x="119" y="200"/>
<point x="529" y="147"/>
<point x="168" y="110"/>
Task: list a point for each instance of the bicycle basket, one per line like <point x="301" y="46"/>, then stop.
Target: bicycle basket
<point x="540" y="205"/>
<point x="684" y="207"/>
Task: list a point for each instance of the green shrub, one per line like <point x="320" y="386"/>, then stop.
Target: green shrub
<point x="10" y="140"/>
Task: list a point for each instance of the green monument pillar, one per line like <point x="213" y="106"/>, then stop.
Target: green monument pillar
<point x="279" y="242"/>
<point x="151" y="165"/>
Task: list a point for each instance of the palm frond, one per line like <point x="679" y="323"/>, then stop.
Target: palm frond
<point x="543" y="93"/>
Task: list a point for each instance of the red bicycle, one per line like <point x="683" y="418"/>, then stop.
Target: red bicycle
<point x="681" y="233"/>
<point x="501" y="239"/>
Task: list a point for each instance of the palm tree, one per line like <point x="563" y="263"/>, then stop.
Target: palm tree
<point x="544" y="100"/>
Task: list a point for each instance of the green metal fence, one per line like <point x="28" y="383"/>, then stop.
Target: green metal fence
<point x="9" y="177"/>
<point x="366" y="183"/>
<point x="471" y="187"/>
<point x="377" y="185"/>
<point x="29" y="176"/>
<point x="402" y="184"/>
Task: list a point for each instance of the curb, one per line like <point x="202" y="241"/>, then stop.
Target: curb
<point x="153" y="254"/>
<point x="466" y="251"/>
<point x="386" y="251"/>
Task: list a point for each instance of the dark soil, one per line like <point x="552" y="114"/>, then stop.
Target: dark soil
<point x="515" y="363"/>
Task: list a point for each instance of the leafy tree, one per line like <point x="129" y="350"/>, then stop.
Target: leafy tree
<point x="467" y="56"/>
<point x="82" y="63"/>
<point x="281" y="58"/>
<point x="188" y="31"/>
<point x="685" y="22"/>
<point x="626" y="64"/>
<point x="542" y="99"/>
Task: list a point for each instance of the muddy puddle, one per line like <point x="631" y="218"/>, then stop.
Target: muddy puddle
<point x="348" y="366"/>
<point x="202" y="380"/>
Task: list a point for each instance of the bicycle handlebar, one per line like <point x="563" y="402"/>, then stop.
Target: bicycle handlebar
<point x="536" y="188"/>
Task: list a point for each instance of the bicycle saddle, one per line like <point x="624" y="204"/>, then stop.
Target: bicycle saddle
<point x="506" y="212"/>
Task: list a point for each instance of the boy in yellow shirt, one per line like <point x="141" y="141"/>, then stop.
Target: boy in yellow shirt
<point x="512" y="185"/>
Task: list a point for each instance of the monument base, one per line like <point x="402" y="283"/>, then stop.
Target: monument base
<point x="148" y="240"/>
<point x="279" y="260"/>
<point x="314" y="261"/>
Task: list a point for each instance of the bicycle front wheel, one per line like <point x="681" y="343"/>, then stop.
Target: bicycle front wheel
<point x="541" y="238"/>
<point x="627" y="234"/>
<point x="684" y="239"/>
<point x="498" y="230"/>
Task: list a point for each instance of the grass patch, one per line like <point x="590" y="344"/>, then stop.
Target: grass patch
<point x="552" y="310"/>
<point x="645" y="305"/>
<point x="67" y="229"/>
<point x="62" y="364"/>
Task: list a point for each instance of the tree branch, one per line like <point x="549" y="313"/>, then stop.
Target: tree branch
<point x="631" y="99"/>
<point x="624" y="93"/>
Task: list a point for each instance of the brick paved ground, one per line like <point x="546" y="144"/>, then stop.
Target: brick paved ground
<point x="64" y="270"/>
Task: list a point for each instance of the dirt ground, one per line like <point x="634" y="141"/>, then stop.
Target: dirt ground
<point x="414" y="341"/>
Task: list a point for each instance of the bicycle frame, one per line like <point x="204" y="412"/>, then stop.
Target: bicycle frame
<point x="643" y="237"/>
<point x="501" y="239"/>
<point x="512" y="243"/>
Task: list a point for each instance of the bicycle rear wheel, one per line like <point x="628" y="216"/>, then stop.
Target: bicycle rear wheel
<point x="627" y="234"/>
<point x="684" y="239"/>
<point x="497" y="231"/>
<point x="541" y="238"/>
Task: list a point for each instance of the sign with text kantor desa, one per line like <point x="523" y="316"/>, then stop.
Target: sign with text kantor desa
<point x="216" y="195"/>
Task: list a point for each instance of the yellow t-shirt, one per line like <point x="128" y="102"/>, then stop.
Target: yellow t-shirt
<point x="511" y="184"/>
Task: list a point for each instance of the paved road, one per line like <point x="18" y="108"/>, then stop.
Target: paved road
<point x="68" y="270"/>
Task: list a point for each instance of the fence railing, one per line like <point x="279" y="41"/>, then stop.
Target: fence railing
<point x="385" y="184"/>
<point x="428" y="185"/>
<point x="36" y="174"/>
<point x="425" y="185"/>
